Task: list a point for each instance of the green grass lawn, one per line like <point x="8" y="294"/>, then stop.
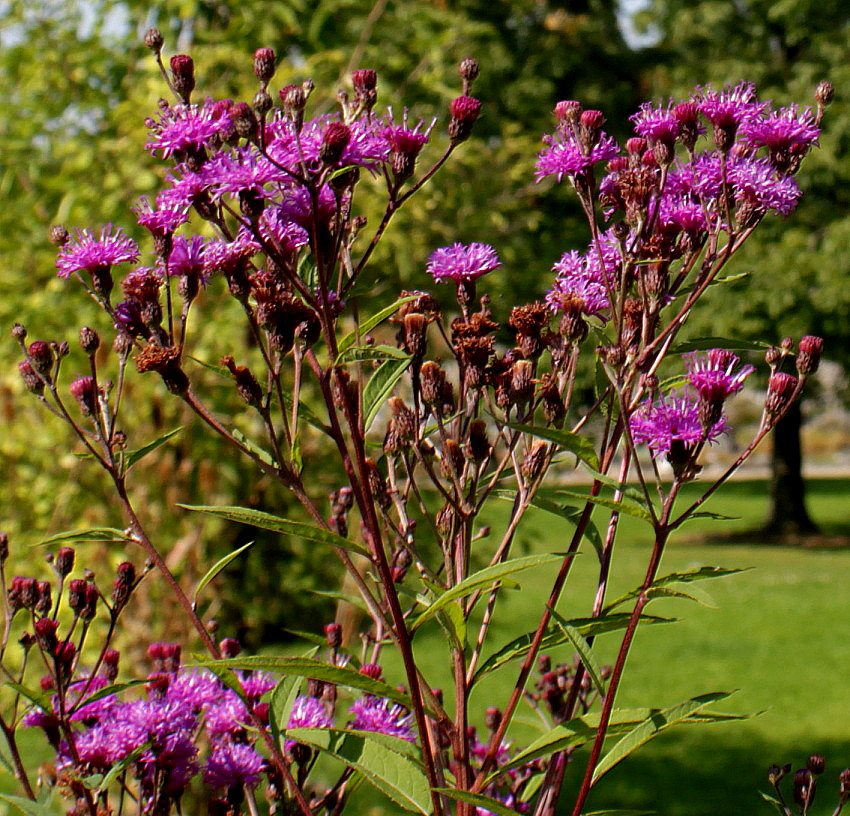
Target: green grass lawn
<point x="780" y="635"/>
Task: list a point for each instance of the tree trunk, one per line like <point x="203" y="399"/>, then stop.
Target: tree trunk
<point x="788" y="514"/>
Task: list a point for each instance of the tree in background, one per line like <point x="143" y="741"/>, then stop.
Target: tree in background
<point x="786" y="48"/>
<point x="80" y="84"/>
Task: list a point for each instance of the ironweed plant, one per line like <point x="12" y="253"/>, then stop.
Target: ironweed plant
<point x="261" y="198"/>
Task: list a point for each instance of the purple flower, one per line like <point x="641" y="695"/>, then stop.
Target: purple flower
<point x="308" y="712"/>
<point x="656" y="124"/>
<point x="577" y="286"/>
<point x="682" y="213"/>
<point x="186" y="189"/>
<point x="713" y="374"/>
<point x="85" y="251"/>
<point x="759" y="186"/>
<point x="462" y="262"/>
<point x="673" y="418"/>
<point x="297" y="206"/>
<point x="256" y="684"/>
<point x="279" y="230"/>
<point x="785" y="129"/>
<point x="563" y="156"/>
<point x="383" y="717"/>
<point x="232" y="764"/>
<point x="227" y="715"/>
<point x="730" y="107"/>
<point x="244" y="170"/>
<point x="220" y="255"/>
<point x="187" y="258"/>
<point x="162" y="221"/>
<point x="198" y="690"/>
<point x="187" y="127"/>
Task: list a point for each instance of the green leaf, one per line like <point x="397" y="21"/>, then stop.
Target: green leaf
<point x="581" y="446"/>
<point x="216" y="568"/>
<point x="379" y="386"/>
<point x="35" y="696"/>
<point x="136" y="455"/>
<point x="584" y="650"/>
<point x="355" y="600"/>
<point x="626" y="504"/>
<point x="386" y="762"/>
<point x="775" y="802"/>
<point x="283" y="697"/>
<point x="567" y="512"/>
<point x="359" y="354"/>
<point x="276" y="524"/>
<point x="652" y="726"/>
<point x="106" y="691"/>
<point x="482" y="578"/>
<point x="369" y="323"/>
<point x="484" y="802"/>
<point x="659" y="588"/>
<point x="105" y="781"/>
<point x="732" y="344"/>
<point x="220" y="370"/>
<point x="107" y="535"/>
<point x="587" y="627"/>
<point x="27" y="806"/>
<point x="308" y="667"/>
<point x="262" y="455"/>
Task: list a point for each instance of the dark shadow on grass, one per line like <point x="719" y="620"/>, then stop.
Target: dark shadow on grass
<point x="708" y="773"/>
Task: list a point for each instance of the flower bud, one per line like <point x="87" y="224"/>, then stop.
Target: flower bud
<point x="40" y="357"/>
<point x="246" y="383"/>
<point x="89" y="340"/>
<point x="336" y="139"/>
<point x="110" y="664"/>
<point x="230" y="648"/>
<point x="780" y="390"/>
<point x="59" y="235"/>
<point x="808" y="356"/>
<point x="803" y="787"/>
<point x="568" y="110"/>
<point x="264" y="64"/>
<point x="123" y="585"/>
<point x="365" y="83"/>
<point x="65" y="561"/>
<point x="534" y="461"/>
<point x="452" y="461"/>
<point x="816" y="764"/>
<point x="333" y="635"/>
<point x="32" y="382"/>
<point x="371" y="670"/>
<point x="464" y="110"/>
<point x="478" y="447"/>
<point x="492" y="718"/>
<point x="183" y="76"/>
<point x="45" y="635"/>
<point x="262" y="102"/>
<point x="244" y="120"/>
<point x="89" y="609"/>
<point x="468" y="70"/>
<point x="77" y="595"/>
<point x="824" y="93"/>
<point x="154" y="40"/>
<point x="84" y="391"/>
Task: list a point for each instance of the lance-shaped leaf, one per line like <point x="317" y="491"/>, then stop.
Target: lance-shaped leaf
<point x="388" y="763"/>
<point x="216" y="568"/>
<point x="730" y="343"/>
<point x="581" y="446"/>
<point x="267" y="521"/>
<point x="106" y="535"/>
<point x="378" y="388"/>
<point x="262" y="455"/>
<point x="567" y="512"/>
<point x="484" y="577"/>
<point x="584" y="650"/>
<point x="587" y="627"/>
<point x="652" y="726"/>
<point x="28" y="806"/>
<point x="136" y="455"/>
<point x="660" y="587"/>
<point x="358" y="354"/>
<point x="626" y="504"/>
<point x="283" y="697"/>
<point x="369" y="323"/>
<point x="308" y="667"/>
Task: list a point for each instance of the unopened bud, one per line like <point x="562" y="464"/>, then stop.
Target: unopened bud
<point x="336" y="139"/>
<point x="59" y="235"/>
<point x="333" y="635"/>
<point x="154" y="40"/>
<point x="110" y="664"/>
<point x="84" y="391"/>
<point x="264" y="64"/>
<point x="89" y="340"/>
<point x="123" y="584"/>
<point x="40" y="357"/>
<point x="45" y="635"/>
<point x="568" y="110"/>
<point x="230" y="648"/>
<point x="65" y="561"/>
<point x="824" y="93"/>
<point x="809" y="354"/>
<point x="32" y="382"/>
<point x="780" y="390"/>
<point x="534" y="460"/>
<point x="372" y="670"/>
<point x="803" y="787"/>
<point x="816" y="764"/>
<point x="183" y="76"/>
<point x="244" y="120"/>
<point x="464" y="110"/>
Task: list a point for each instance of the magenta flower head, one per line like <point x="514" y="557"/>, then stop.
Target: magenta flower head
<point x="714" y="374"/>
<point x="782" y="131"/>
<point x="462" y="263"/>
<point x="86" y="251"/>
<point x="231" y="764"/>
<point x="308" y="712"/>
<point x="671" y="427"/>
<point x="382" y="717"/>
<point x="728" y="109"/>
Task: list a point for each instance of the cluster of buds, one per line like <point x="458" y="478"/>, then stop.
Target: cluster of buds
<point x="804" y="785"/>
<point x="559" y="685"/>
